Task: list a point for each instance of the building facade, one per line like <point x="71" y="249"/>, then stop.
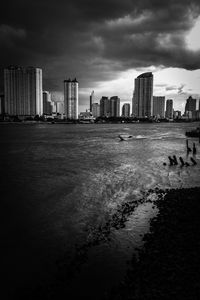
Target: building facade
<point x="169" y="109"/>
<point x="126" y="110"/>
<point x="23" y="91"/>
<point x="71" y="99"/>
<point x="95" y="110"/>
<point x="60" y="107"/>
<point x="104" y="107"/>
<point x="190" y="108"/>
<point x="47" y="103"/>
<point x="142" y="103"/>
<point x="2" y="105"/>
<point x="114" y="106"/>
<point x="159" y="106"/>
<point x="177" y="114"/>
<point x="91" y="100"/>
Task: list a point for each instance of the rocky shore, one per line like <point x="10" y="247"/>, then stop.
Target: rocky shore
<point x="168" y="267"/>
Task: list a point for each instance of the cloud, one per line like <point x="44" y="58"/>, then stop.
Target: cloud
<point x="97" y="41"/>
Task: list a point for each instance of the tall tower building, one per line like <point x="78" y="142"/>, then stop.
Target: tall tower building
<point x="114" y="106"/>
<point x="23" y="91"/>
<point x="71" y="98"/>
<point x="104" y="107"/>
<point x="47" y="103"/>
<point x="159" y="106"/>
<point x="169" y="109"/>
<point x="142" y="105"/>
<point x="2" y="105"/>
<point x="190" y="105"/>
<point x="126" y="110"/>
<point x="91" y="100"/>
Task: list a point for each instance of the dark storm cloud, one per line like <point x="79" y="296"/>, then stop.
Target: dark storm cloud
<point x="94" y="40"/>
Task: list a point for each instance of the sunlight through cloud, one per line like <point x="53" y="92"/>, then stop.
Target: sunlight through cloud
<point x="192" y="39"/>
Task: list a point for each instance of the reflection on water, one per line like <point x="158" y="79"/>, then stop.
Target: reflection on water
<point x="61" y="183"/>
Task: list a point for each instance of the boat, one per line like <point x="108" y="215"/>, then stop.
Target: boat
<point x="193" y="133"/>
<point x="124" y="137"/>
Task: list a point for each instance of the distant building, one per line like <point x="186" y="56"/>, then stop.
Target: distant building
<point x="87" y="115"/>
<point x="159" y="106"/>
<point x="126" y="110"/>
<point x="59" y="107"/>
<point x="2" y="105"/>
<point x="142" y="104"/>
<point x="177" y="114"/>
<point x="190" y="108"/>
<point x="169" y="109"/>
<point x="104" y="107"/>
<point x="95" y="110"/>
<point x="47" y="103"/>
<point x="196" y="115"/>
<point x="23" y="91"/>
<point x="71" y="98"/>
<point x="114" y="106"/>
<point x="91" y="100"/>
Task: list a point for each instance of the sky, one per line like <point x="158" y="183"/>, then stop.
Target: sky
<point x="105" y="44"/>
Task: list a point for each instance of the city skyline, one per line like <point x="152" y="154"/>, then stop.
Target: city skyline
<point x="110" y="44"/>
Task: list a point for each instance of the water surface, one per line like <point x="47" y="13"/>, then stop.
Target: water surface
<point x="61" y="183"/>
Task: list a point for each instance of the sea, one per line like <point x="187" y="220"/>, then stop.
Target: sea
<point x="62" y="185"/>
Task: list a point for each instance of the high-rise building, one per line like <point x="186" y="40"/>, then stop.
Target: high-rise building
<point x="159" y="106"/>
<point x="71" y="98"/>
<point x="126" y="110"/>
<point x="114" y="106"/>
<point x="95" y="110"/>
<point x="91" y="100"/>
<point x="47" y="103"/>
<point x="190" y="107"/>
<point x="169" y="109"/>
<point x="2" y="105"/>
<point x="142" y="105"/>
<point x="23" y="91"/>
<point x="104" y="107"/>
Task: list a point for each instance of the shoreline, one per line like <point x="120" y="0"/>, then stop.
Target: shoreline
<point x="168" y="266"/>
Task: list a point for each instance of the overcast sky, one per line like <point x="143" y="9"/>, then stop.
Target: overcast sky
<point x="105" y="44"/>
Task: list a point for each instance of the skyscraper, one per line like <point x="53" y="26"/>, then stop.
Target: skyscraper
<point x="47" y="104"/>
<point x="71" y="98"/>
<point x="169" y="109"/>
<point x="114" y="106"/>
<point x="91" y="100"/>
<point x="159" y="106"/>
<point x="126" y="110"/>
<point x="143" y="96"/>
<point x="104" y="107"/>
<point x="190" y="105"/>
<point x="23" y="91"/>
<point x="2" y="105"/>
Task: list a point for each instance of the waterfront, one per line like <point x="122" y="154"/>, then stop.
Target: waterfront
<point x="61" y="183"/>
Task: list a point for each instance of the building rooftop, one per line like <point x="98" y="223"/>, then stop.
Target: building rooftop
<point x="145" y="75"/>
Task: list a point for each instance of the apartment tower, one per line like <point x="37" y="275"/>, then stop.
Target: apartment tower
<point x="159" y="106"/>
<point x="126" y="110"/>
<point x="169" y="109"/>
<point x="23" y="91"/>
<point x="71" y="99"/>
<point x="142" y="104"/>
